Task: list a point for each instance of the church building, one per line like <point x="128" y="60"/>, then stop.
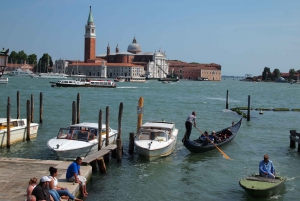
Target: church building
<point x="130" y="63"/>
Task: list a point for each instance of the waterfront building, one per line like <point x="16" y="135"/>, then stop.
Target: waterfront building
<point x="195" y="71"/>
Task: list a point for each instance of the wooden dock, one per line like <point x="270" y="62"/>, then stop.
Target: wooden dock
<point x="98" y="154"/>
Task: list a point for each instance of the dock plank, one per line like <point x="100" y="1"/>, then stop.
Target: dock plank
<point x="99" y="154"/>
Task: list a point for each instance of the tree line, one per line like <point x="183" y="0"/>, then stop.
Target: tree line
<point x="268" y="76"/>
<point x="41" y="65"/>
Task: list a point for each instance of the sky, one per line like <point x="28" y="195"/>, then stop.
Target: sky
<point x="243" y="37"/>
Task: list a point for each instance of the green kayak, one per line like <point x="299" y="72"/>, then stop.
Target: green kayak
<point x="261" y="187"/>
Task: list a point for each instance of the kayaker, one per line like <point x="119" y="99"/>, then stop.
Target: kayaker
<point x="191" y="119"/>
<point x="266" y="168"/>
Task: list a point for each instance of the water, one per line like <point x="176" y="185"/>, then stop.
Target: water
<point x="182" y="175"/>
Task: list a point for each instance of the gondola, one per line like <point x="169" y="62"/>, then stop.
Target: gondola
<point x="225" y="135"/>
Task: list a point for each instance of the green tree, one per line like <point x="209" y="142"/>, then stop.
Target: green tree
<point x="32" y="59"/>
<point x="266" y="74"/>
<point x="22" y="57"/>
<point x="292" y="72"/>
<point x="44" y="63"/>
<point x="276" y="73"/>
<point x="13" y="57"/>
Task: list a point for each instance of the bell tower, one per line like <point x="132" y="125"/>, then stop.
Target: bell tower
<point x="90" y="38"/>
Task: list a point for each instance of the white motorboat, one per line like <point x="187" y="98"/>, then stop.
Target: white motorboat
<point x="18" y="130"/>
<point x="20" y="72"/>
<point x="79" y="140"/>
<point x="156" y="139"/>
<point x="51" y="76"/>
<point x="3" y="80"/>
<point x="120" y="79"/>
<point x="135" y="79"/>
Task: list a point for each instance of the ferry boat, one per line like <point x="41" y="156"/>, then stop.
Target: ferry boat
<point x="135" y="79"/>
<point x="85" y="83"/>
<point x="18" y="129"/>
<point x="79" y="140"/>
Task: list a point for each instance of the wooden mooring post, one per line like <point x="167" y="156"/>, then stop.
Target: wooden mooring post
<point x="140" y="114"/>
<point x="18" y="104"/>
<point x="100" y="130"/>
<point x="106" y="156"/>
<point x="32" y="109"/>
<point x="227" y="97"/>
<point x="131" y="143"/>
<point x="8" y="124"/>
<point x="73" y="112"/>
<point x="28" y="120"/>
<point x="294" y="137"/>
<point x="78" y="108"/>
<point x="119" y="149"/>
<point x="248" y="114"/>
<point x="41" y="107"/>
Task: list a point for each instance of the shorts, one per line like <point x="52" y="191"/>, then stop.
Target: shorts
<point x="80" y="178"/>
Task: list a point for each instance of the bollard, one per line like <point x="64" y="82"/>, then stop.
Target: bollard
<point x="119" y="150"/>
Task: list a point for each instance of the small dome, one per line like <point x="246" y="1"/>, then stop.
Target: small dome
<point x="134" y="47"/>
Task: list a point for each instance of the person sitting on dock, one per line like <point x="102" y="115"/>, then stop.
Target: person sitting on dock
<point x="191" y="119"/>
<point x="266" y="168"/>
<point x="41" y="191"/>
<point x="32" y="184"/>
<point x="73" y="175"/>
<point x="63" y="192"/>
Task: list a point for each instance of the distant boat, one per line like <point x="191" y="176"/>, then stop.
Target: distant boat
<point x="51" y="75"/>
<point x="120" y="79"/>
<point x="261" y="112"/>
<point x="20" y="72"/>
<point x="3" y="80"/>
<point x="85" y="83"/>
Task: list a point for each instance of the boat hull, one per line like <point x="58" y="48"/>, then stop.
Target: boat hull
<point x="18" y="134"/>
<point x="152" y="154"/>
<point x="259" y="187"/>
<point x="70" y="149"/>
<point x="195" y="146"/>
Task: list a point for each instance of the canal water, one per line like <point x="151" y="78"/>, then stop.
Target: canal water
<point x="182" y="175"/>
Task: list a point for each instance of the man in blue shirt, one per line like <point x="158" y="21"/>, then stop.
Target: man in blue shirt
<point x="73" y="175"/>
<point x="266" y="168"/>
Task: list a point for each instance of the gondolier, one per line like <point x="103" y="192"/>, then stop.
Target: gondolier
<point x="191" y="119"/>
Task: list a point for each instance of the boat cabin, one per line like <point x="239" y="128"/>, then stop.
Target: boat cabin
<point x="13" y="123"/>
<point x="159" y="131"/>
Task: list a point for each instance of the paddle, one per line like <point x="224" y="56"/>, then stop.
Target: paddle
<point x="227" y="157"/>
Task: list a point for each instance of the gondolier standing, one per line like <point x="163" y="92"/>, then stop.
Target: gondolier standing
<point x="191" y="119"/>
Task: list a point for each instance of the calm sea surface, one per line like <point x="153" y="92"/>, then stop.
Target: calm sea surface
<point x="182" y="175"/>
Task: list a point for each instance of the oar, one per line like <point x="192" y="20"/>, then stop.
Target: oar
<point x="227" y="157"/>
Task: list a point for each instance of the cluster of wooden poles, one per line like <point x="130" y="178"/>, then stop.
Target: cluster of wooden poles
<point x="249" y="107"/>
<point x="29" y="112"/>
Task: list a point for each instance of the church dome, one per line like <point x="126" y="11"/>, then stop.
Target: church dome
<point x="134" y="47"/>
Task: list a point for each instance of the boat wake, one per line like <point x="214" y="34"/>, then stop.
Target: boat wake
<point x="128" y="87"/>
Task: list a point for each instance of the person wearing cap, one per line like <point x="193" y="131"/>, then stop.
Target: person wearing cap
<point x="266" y="168"/>
<point x="191" y="119"/>
<point x="73" y="175"/>
<point x="41" y="191"/>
